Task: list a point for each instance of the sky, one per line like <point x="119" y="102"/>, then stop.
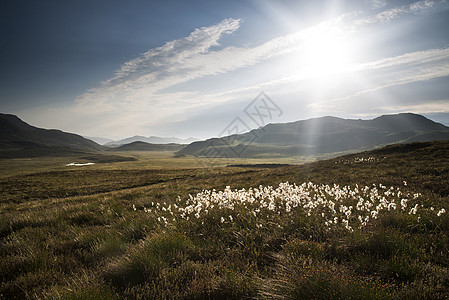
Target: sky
<point x="114" y="69"/>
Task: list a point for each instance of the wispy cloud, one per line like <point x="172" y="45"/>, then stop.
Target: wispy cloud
<point x="163" y="60"/>
<point x="158" y="68"/>
<point x="393" y="13"/>
<point x="430" y="107"/>
<point x="375" y="4"/>
<point x="418" y="57"/>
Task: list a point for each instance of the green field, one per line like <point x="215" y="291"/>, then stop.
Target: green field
<point x="129" y="229"/>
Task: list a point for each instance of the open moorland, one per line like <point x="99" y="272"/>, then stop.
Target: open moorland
<point x="370" y="225"/>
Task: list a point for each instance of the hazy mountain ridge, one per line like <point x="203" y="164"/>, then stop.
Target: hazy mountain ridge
<point x="322" y="135"/>
<point x="99" y="140"/>
<point x="143" y="146"/>
<point x="151" y="140"/>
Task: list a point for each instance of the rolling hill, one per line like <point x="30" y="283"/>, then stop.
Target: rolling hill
<point x="19" y="139"/>
<point x="142" y="146"/>
<point x="324" y="135"/>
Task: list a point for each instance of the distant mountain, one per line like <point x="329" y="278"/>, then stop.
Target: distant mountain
<point x="19" y="139"/>
<point x="321" y="136"/>
<point x="152" y="140"/>
<point x="142" y="146"/>
<point x="136" y="138"/>
<point x="99" y="140"/>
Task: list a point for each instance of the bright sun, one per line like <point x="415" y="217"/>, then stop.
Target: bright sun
<point x="326" y="53"/>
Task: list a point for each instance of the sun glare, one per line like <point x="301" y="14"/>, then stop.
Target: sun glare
<point x="326" y="53"/>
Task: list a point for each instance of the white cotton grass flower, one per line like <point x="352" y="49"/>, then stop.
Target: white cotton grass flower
<point x="336" y="207"/>
<point x="413" y="210"/>
<point x="403" y="204"/>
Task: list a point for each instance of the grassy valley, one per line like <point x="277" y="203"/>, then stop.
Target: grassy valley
<point x="130" y="230"/>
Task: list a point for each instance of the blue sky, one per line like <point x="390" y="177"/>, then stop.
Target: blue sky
<point x="189" y="68"/>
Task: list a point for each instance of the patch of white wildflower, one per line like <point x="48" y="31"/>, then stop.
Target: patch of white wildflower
<point x="332" y="206"/>
<point x="359" y="160"/>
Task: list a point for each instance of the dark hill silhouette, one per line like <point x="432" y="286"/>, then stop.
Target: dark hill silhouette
<point x="406" y="122"/>
<point x="19" y="139"/>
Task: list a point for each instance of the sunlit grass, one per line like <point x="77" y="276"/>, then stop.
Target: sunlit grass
<point x="99" y="234"/>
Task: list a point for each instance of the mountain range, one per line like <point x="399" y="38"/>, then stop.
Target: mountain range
<point x="325" y="135"/>
<point x="321" y="136"/>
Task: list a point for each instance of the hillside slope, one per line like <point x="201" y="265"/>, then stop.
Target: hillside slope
<point x="322" y="136"/>
<point x="19" y="139"/>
